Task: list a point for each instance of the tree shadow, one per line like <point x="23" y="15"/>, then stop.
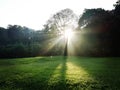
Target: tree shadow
<point x="63" y="70"/>
<point x="61" y="78"/>
<point x="47" y="73"/>
<point x="104" y="71"/>
<point x="29" y="76"/>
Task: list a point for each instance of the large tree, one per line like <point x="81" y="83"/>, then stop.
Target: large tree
<point x="93" y="18"/>
<point x="62" y="20"/>
<point x="100" y="24"/>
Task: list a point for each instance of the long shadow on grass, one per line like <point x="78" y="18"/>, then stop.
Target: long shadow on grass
<point x="30" y="76"/>
<point x="104" y="71"/>
<point x="59" y="81"/>
<point x="63" y="74"/>
<point x="95" y="68"/>
<point x="40" y="81"/>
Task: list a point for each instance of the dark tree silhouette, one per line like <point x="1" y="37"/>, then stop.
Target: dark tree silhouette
<point x="98" y="34"/>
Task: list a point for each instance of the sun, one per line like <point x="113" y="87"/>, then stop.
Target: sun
<point x="68" y="33"/>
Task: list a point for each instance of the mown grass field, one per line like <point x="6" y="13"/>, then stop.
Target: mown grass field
<point x="60" y="73"/>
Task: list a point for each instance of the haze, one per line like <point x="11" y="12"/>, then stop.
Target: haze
<point x="35" y="13"/>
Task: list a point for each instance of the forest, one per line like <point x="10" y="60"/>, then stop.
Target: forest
<point x="96" y="33"/>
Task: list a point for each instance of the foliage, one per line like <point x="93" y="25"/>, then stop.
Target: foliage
<point x="93" y="17"/>
<point x="104" y="27"/>
<point x="97" y="34"/>
<point x="61" y="20"/>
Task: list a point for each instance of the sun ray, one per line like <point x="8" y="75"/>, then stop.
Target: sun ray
<point x="68" y="34"/>
<point x="52" y="43"/>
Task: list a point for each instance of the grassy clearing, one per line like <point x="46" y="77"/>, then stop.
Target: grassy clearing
<point x="60" y="73"/>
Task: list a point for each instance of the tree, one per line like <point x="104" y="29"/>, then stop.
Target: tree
<point x="100" y="23"/>
<point x="117" y="6"/>
<point x="93" y="18"/>
<point x="3" y="36"/>
<point x="61" y="20"/>
<point x="117" y="10"/>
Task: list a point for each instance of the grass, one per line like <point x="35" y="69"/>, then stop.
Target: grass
<point x="60" y="73"/>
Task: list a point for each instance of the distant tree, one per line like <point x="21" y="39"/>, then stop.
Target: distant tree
<point x="3" y="36"/>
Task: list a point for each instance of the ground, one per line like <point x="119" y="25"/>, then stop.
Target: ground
<point x="60" y="73"/>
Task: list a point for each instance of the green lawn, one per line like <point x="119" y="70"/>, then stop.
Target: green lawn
<point x="60" y="73"/>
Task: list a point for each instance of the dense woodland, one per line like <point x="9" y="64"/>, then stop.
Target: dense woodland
<point x="97" y="34"/>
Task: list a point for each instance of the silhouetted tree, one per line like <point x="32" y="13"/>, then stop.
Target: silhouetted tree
<point x="104" y="27"/>
<point x="117" y="7"/>
<point x="94" y="18"/>
<point x="61" y="21"/>
<point x="98" y="35"/>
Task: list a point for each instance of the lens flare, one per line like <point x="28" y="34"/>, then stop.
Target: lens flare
<point x="68" y="33"/>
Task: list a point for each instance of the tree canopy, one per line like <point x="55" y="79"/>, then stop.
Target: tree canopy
<point x="97" y="33"/>
<point x="61" y="20"/>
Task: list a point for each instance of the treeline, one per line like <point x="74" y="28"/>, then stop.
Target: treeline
<point x="18" y="41"/>
<point x="97" y="34"/>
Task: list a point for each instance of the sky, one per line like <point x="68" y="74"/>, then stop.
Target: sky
<point x="35" y="13"/>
